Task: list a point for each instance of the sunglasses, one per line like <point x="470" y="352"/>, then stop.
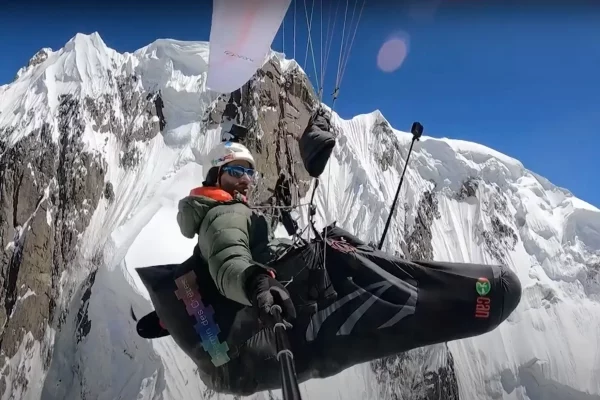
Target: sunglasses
<point x="237" y="171"/>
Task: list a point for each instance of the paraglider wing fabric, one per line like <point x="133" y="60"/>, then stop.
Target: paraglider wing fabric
<point x="316" y="144"/>
<point x="240" y="38"/>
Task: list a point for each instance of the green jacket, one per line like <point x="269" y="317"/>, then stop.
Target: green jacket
<point x="232" y="237"/>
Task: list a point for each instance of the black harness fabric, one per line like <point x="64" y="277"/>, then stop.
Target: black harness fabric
<point x="385" y="305"/>
<point x="316" y="144"/>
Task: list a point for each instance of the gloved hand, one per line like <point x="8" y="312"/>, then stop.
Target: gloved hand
<point x="264" y="292"/>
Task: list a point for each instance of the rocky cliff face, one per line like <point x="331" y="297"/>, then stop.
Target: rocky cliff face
<point x="50" y="188"/>
<point x="275" y="105"/>
<point x="49" y="192"/>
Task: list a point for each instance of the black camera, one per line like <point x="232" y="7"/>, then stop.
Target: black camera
<point x="237" y="133"/>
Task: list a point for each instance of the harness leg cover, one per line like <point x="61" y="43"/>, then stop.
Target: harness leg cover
<point x="385" y="305"/>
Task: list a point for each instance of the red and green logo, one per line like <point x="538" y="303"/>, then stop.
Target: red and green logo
<point x="483" y="303"/>
<point x="483" y="286"/>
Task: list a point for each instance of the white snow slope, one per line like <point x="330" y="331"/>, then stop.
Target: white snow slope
<point x="548" y="349"/>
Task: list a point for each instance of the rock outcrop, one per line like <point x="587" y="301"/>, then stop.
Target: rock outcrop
<point x="275" y="106"/>
<point x="50" y="189"/>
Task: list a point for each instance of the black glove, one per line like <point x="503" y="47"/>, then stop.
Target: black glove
<point x="264" y="292"/>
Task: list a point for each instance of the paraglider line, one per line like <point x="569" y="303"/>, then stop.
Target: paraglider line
<point x="352" y="42"/>
<point x="310" y="43"/>
<point x="328" y="43"/>
<point x="347" y="40"/>
<point x="321" y="51"/>
<point x="337" y="79"/>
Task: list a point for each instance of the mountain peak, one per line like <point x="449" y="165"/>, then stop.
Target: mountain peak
<point x="82" y="40"/>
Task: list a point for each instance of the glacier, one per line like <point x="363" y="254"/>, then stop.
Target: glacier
<point x="460" y="201"/>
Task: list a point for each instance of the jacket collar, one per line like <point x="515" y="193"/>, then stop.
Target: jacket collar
<point x="215" y="193"/>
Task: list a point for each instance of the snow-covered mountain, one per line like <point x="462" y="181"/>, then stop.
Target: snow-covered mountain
<point x="97" y="147"/>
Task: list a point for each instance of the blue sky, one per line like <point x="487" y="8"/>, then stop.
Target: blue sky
<point x="524" y="80"/>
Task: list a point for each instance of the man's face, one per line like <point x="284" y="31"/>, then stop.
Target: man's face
<point x="231" y="182"/>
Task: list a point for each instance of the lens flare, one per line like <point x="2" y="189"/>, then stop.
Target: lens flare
<point x="393" y="52"/>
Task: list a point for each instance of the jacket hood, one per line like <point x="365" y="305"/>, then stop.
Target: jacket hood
<point x="194" y="207"/>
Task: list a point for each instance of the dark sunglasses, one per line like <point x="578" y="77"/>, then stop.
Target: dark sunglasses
<point x="237" y="171"/>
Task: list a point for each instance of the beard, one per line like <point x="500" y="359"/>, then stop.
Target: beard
<point x="241" y="188"/>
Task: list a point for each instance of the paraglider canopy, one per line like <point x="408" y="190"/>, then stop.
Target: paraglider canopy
<point x="240" y="39"/>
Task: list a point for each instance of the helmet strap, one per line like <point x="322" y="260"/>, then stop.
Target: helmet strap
<point x="219" y="173"/>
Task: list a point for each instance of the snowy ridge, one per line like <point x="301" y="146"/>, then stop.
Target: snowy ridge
<point x="482" y="206"/>
<point x="80" y="68"/>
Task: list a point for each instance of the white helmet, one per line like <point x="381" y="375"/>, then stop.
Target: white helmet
<point x="226" y="152"/>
